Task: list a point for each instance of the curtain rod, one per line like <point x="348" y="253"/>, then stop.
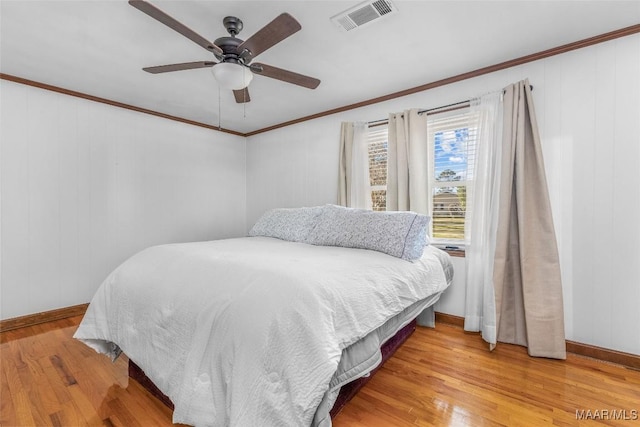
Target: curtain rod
<point x="436" y="110"/>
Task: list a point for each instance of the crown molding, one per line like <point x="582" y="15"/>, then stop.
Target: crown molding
<point x="82" y="95"/>
<point x="623" y="32"/>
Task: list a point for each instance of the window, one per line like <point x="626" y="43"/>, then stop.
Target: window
<point x="451" y="142"/>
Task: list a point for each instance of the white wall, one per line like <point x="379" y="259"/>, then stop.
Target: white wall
<point x="588" y="109"/>
<point x="85" y="185"/>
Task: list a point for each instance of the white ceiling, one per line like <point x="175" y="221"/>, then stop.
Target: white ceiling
<point x="99" y="48"/>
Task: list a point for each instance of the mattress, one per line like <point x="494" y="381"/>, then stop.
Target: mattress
<point x="257" y="331"/>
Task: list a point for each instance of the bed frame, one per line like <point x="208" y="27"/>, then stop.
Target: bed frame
<point x="346" y="392"/>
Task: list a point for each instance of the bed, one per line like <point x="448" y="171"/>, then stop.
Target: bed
<point x="262" y="330"/>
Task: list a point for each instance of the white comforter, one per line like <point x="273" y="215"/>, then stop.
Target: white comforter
<point x="249" y="331"/>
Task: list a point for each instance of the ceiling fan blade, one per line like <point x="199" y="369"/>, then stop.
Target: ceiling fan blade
<point x="242" y="95"/>
<point x="179" y="67"/>
<point x="285" y="75"/>
<point x="272" y="33"/>
<point x="170" y="22"/>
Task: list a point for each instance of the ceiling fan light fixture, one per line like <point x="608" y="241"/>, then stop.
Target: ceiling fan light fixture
<point x="232" y="76"/>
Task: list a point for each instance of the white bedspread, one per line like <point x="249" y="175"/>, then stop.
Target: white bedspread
<point x="249" y="331"/>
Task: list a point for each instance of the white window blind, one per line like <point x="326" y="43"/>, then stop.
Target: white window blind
<point x="452" y="140"/>
<point x="378" y="166"/>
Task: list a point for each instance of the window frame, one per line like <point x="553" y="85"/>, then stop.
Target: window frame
<point x="448" y="121"/>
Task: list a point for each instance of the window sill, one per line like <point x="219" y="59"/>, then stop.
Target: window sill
<point x="454" y="252"/>
<point x="455" y="249"/>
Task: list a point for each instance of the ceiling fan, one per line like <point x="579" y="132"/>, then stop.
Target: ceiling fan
<point x="234" y="69"/>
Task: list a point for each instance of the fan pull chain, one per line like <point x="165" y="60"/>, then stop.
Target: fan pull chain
<point x="244" y="94"/>
<point x="219" y="110"/>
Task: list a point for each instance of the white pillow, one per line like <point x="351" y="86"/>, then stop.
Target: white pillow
<point x="292" y="224"/>
<point x="401" y="234"/>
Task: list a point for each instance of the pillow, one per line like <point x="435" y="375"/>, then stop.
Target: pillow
<point x="293" y="224"/>
<point x="401" y="234"/>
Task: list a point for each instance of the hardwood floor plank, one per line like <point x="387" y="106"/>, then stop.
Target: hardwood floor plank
<point x="18" y="395"/>
<point x="142" y="404"/>
<point x="51" y="381"/>
<point x="7" y="410"/>
<point x="84" y="406"/>
<point x="70" y="415"/>
<point x="123" y="412"/>
<point x="113" y="421"/>
<point x="56" y="419"/>
<point x="370" y="414"/>
<point x="42" y="401"/>
<point x="62" y="370"/>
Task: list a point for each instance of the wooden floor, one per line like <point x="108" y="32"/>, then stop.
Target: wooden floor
<point x="441" y="377"/>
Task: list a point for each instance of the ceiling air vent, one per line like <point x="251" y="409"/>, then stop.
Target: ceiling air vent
<point x="363" y="14"/>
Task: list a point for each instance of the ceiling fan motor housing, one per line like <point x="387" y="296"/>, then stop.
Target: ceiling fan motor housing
<point x="229" y="45"/>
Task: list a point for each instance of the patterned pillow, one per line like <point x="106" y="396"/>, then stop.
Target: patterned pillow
<point x="293" y="224"/>
<point x="401" y="234"/>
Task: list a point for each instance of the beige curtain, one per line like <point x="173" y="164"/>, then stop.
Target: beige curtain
<point x="353" y="180"/>
<point x="344" y="164"/>
<point x="528" y="288"/>
<point x="407" y="173"/>
<point x="407" y="163"/>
